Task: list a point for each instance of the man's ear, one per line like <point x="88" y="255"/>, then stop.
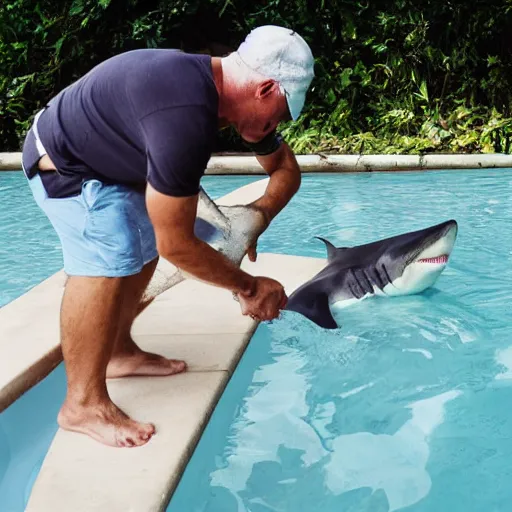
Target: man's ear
<point x="267" y="88"/>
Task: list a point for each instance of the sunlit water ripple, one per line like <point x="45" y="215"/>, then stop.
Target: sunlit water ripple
<point x="406" y="406"/>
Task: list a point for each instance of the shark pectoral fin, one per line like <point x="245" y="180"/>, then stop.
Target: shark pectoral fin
<point x="315" y="307"/>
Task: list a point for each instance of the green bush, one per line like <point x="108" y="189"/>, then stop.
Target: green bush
<point x="391" y="77"/>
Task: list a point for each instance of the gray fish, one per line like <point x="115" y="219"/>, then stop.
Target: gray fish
<point x="400" y="265"/>
<point x="229" y="229"/>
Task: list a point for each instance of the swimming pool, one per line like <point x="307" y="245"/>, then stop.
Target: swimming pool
<point x="405" y="407"/>
<point x="29" y="253"/>
<point x="382" y="414"/>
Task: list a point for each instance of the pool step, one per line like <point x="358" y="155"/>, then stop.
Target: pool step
<point x="200" y="323"/>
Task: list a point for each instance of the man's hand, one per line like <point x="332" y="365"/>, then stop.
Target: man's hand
<point x="173" y="221"/>
<point x="265" y="302"/>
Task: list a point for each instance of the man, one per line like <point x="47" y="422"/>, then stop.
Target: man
<point x="115" y="161"/>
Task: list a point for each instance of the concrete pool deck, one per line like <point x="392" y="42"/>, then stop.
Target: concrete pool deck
<point x="194" y="321"/>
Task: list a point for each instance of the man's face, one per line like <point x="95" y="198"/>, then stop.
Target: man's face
<point x="265" y="109"/>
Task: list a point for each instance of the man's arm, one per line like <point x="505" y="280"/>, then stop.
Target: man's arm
<point x="284" y="182"/>
<point x="173" y="219"/>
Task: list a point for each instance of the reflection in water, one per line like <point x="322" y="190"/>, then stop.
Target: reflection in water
<point x="5" y="453"/>
<point x="406" y="406"/>
<point x="277" y="417"/>
<point x="394" y="463"/>
<point x="272" y="418"/>
<point x="504" y="358"/>
<point x="28" y="427"/>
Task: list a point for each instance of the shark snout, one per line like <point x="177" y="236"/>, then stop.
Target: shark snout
<point x="439" y="250"/>
<point x="450" y="229"/>
<point x="425" y="264"/>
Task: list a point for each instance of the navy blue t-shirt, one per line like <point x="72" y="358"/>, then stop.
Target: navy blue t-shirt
<point x="142" y="116"/>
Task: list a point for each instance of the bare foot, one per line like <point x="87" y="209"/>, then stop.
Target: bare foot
<point x="105" y="423"/>
<point x="138" y="362"/>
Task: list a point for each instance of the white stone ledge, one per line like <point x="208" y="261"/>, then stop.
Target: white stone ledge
<point x="29" y="338"/>
<point x="81" y="475"/>
<point x="245" y="164"/>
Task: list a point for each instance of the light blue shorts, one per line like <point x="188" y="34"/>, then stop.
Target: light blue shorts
<point x="104" y="232"/>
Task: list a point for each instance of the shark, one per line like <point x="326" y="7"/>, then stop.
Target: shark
<point x="230" y="230"/>
<point x="404" y="264"/>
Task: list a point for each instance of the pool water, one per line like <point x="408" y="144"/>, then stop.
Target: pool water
<point x="405" y="406"/>
<point x="29" y="253"/>
<point x="29" y="248"/>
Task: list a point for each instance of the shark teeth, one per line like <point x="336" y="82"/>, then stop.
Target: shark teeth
<point x="438" y="260"/>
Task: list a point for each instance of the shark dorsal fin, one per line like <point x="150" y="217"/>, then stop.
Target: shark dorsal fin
<point x="332" y="251"/>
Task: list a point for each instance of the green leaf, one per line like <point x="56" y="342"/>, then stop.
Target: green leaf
<point x="226" y="3"/>
<point x="331" y="97"/>
<point x="345" y="78"/>
<point x="76" y="8"/>
<point x="58" y="45"/>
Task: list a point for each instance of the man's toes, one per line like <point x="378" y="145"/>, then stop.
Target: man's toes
<point x="146" y="431"/>
<point x="178" y="366"/>
<point x="141" y="438"/>
<point x="122" y="442"/>
<point x="132" y="440"/>
<point x="146" y="435"/>
<point x="137" y="435"/>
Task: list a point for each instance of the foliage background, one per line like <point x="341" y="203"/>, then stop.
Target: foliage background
<point x="395" y="76"/>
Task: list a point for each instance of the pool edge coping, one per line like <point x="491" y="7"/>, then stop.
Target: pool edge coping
<point x="243" y="164"/>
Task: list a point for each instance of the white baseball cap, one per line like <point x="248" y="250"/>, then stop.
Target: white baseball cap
<point x="281" y="54"/>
